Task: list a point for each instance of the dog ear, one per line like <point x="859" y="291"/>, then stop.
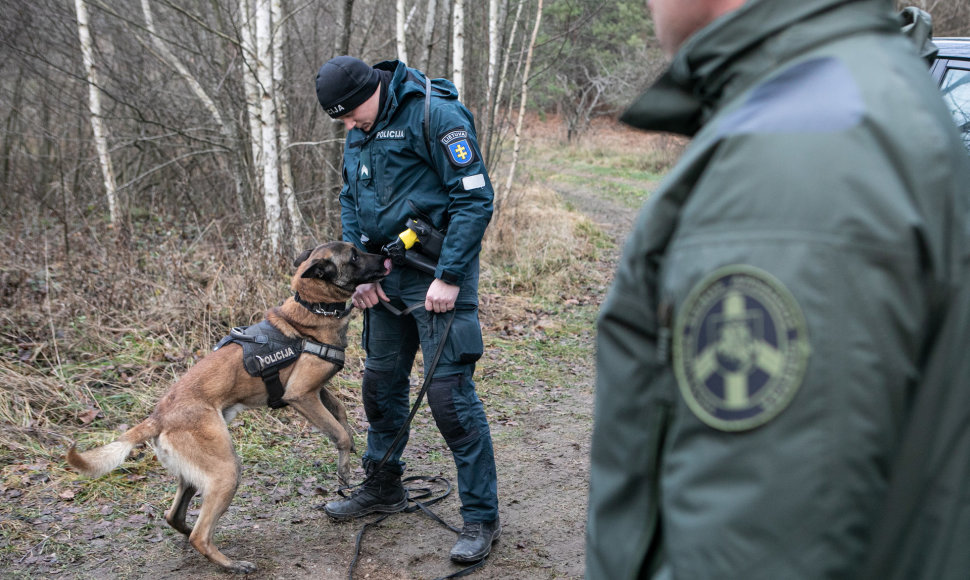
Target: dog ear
<point x="323" y="269"/>
<point x="302" y="258"/>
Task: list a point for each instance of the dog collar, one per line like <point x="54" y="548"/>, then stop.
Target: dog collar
<point x="335" y="309"/>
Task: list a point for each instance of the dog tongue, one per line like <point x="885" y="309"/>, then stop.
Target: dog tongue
<point x="387" y="266"/>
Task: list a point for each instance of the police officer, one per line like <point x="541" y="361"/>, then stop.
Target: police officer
<point x="782" y="377"/>
<point x="408" y="151"/>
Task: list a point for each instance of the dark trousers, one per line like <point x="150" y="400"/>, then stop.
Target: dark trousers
<point x="391" y="342"/>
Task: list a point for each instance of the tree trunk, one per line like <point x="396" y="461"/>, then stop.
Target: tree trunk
<point x="491" y="137"/>
<point x="333" y="149"/>
<point x="518" y="124"/>
<point x="492" y="53"/>
<point x="286" y="170"/>
<point x="13" y="137"/>
<point x="458" y="46"/>
<point x="428" y="40"/>
<point x="343" y="39"/>
<point x="493" y="94"/>
<point x="402" y="48"/>
<point x="251" y="87"/>
<point x="94" y="107"/>
<point x="268" y="125"/>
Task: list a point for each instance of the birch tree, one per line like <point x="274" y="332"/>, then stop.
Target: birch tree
<point x="458" y="45"/>
<point x="268" y="123"/>
<point x="286" y="169"/>
<point x="524" y="96"/>
<point x="400" y="17"/>
<point x="491" y="137"/>
<point x="496" y="82"/>
<point x="493" y="47"/>
<point x="428" y="37"/>
<point x="260" y="83"/>
<point x="247" y="36"/>
<point x="94" y="108"/>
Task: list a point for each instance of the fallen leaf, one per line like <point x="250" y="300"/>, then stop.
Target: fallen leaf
<point x="90" y="415"/>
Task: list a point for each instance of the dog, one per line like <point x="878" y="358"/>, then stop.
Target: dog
<point x="188" y="427"/>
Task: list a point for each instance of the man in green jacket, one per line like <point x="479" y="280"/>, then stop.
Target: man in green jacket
<point x="410" y="153"/>
<point x="783" y="386"/>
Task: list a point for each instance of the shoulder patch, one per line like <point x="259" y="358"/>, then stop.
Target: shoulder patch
<point x="457" y="147"/>
<point x="740" y="348"/>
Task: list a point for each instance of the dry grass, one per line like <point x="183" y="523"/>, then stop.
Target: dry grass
<point x="89" y="333"/>
<point x="539" y="249"/>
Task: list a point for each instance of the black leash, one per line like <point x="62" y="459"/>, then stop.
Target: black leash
<point x="413" y="494"/>
<point x="417" y="403"/>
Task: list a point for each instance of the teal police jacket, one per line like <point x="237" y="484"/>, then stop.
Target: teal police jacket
<point x="783" y="386"/>
<point x="445" y="176"/>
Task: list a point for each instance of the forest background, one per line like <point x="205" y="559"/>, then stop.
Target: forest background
<point x="162" y="161"/>
<point x="120" y="121"/>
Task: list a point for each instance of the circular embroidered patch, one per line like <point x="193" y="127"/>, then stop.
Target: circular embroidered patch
<point x="740" y="348"/>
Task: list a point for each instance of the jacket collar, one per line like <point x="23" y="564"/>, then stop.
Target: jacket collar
<point x="405" y="83"/>
<point x="721" y="60"/>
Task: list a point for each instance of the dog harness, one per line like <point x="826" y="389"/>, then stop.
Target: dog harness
<point x="267" y="351"/>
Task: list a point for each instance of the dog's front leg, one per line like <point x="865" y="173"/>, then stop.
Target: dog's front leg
<point x="310" y="406"/>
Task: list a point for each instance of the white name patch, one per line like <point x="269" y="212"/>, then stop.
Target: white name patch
<point x="473" y="181"/>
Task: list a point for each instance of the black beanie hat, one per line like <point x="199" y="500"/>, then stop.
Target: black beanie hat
<point x="344" y="83"/>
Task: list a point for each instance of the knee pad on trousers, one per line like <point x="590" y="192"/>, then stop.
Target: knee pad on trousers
<point x="370" y="388"/>
<point x="442" y="402"/>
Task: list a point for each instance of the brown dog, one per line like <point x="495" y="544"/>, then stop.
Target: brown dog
<point x="188" y="427"/>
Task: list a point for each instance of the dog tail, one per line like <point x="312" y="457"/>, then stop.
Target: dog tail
<point x="100" y="460"/>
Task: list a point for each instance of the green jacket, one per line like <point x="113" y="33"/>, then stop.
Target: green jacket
<point x="444" y="176"/>
<point x="783" y="386"/>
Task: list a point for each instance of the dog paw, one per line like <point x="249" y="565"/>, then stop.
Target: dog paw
<point x="179" y="525"/>
<point x="241" y="567"/>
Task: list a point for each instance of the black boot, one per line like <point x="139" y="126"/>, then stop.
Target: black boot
<point x="382" y="493"/>
<point x="475" y="541"/>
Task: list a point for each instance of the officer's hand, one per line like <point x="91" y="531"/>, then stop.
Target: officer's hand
<point x="441" y="296"/>
<point x="368" y="295"/>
